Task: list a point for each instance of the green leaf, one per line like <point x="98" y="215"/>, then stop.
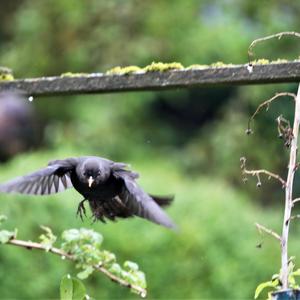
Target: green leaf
<point x="296" y="273"/>
<point x="86" y="273"/>
<point x="115" y="269"/>
<point x="131" y="265"/>
<point x="79" y="291"/>
<point x="70" y="235"/>
<point x="6" y="236"/>
<point x="66" y="288"/>
<point x="262" y="286"/>
<point x="127" y="276"/>
<point x="72" y="289"/>
<point x="86" y="236"/>
<point x="141" y="279"/>
<point x="47" y="239"/>
<point x="108" y="258"/>
<point x="292" y="280"/>
<point x="275" y="276"/>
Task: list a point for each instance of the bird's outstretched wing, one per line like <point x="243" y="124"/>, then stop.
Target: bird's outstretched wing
<point x="52" y="179"/>
<point x="139" y="202"/>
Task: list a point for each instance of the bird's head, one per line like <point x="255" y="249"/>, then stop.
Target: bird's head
<point x="94" y="172"/>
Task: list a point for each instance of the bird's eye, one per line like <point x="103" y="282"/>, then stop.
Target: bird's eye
<point x="84" y="173"/>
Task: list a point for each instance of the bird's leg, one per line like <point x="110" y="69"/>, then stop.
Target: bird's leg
<point x="97" y="212"/>
<point x="81" y="209"/>
<point x="94" y="219"/>
<point x="97" y="215"/>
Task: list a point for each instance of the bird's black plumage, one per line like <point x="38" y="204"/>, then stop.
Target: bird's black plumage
<point x="110" y="188"/>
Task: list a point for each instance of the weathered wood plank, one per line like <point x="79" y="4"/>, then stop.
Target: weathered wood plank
<point x="185" y="78"/>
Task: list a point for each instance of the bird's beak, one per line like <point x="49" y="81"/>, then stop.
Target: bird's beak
<point x="90" y="181"/>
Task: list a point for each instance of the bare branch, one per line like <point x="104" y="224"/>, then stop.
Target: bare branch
<point x="256" y="173"/>
<point x="277" y="35"/>
<point x="267" y="104"/>
<point x="268" y="231"/>
<point x="33" y="245"/>
<point x="289" y="203"/>
<point x="267" y="173"/>
<point x="296" y="200"/>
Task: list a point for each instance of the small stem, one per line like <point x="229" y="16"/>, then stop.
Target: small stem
<point x="265" y="172"/>
<point x="289" y="195"/>
<point x="296" y="200"/>
<point x="267" y="103"/>
<point x="277" y="35"/>
<point x="268" y="231"/>
<point x="32" y="245"/>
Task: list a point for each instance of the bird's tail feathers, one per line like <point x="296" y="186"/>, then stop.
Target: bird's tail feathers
<point x="163" y="200"/>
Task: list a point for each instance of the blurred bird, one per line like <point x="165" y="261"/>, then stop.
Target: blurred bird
<point x="108" y="186"/>
<point x="18" y="125"/>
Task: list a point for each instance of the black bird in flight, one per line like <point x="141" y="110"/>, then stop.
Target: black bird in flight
<point x="108" y="186"/>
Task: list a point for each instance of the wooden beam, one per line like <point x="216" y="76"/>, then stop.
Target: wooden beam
<point x="183" y="78"/>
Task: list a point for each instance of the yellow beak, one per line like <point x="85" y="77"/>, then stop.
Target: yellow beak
<point x="90" y="181"/>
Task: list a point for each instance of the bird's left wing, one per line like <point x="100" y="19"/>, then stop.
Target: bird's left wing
<point x="52" y="179"/>
<point x="139" y="202"/>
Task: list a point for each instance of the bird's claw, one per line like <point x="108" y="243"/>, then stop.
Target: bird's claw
<point x="94" y="219"/>
<point x="97" y="216"/>
<point x="81" y="210"/>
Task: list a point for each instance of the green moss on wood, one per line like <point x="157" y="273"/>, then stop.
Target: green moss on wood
<point x="161" y="67"/>
<point x="279" y="61"/>
<point x="6" y="74"/>
<point x="70" y="74"/>
<point x="261" y="61"/>
<point x="123" y="70"/>
<point x="197" y="67"/>
<point x="154" y="67"/>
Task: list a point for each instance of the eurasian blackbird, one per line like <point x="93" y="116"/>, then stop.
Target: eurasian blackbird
<point x="108" y="186"/>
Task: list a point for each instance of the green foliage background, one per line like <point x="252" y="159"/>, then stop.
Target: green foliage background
<point x="185" y="142"/>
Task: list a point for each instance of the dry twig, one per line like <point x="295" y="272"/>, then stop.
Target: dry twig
<point x="267" y="104"/>
<point x="285" y="131"/>
<point x="277" y="35"/>
<point x="256" y="173"/>
<point x="296" y="200"/>
<point x="268" y="231"/>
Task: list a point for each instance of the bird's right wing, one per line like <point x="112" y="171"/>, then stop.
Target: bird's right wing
<point x="52" y="179"/>
<point x="139" y="202"/>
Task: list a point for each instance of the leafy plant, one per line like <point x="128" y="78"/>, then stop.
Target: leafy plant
<point x="275" y="284"/>
<point x="83" y="246"/>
